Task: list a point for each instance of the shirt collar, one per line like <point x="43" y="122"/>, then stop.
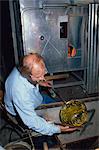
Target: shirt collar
<point x="26" y="80"/>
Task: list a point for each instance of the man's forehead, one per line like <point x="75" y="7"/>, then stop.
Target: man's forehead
<point x="38" y="66"/>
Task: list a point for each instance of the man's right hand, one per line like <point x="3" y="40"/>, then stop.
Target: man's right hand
<point x="67" y="128"/>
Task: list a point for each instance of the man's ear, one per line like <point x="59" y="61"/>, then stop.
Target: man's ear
<point x="31" y="76"/>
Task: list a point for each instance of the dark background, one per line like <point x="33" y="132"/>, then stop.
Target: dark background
<point x="6" y="45"/>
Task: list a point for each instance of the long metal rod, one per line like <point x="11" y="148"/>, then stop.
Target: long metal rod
<point x="95" y="62"/>
<point x="91" y="49"/>
<point x="94" y="52"/>
<point x="69" y="84"/>
<point x="58" y="104"/>
<point x="88" y="71"/>
<point x="58" y="95"/>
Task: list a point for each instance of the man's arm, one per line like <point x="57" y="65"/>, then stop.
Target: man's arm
<point x="25" y="108"/>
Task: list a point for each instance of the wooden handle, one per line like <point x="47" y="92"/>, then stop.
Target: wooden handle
<point x="59" y="76"/>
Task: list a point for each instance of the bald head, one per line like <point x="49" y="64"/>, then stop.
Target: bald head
<point x="33" y="65"/>
<point x="31" y="59"/>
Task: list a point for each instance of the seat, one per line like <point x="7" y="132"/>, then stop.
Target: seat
<point x="16" y="125"/>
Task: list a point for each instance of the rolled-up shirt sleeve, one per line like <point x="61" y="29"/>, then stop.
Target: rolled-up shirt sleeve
<point x="24" y="104"/>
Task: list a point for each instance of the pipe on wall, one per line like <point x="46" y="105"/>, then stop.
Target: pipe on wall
<point x="92" y="64"/>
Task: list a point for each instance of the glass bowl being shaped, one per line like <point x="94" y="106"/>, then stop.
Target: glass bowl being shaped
<point x="73" y="113"/>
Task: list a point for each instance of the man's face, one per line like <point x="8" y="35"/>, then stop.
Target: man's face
<point x="38" y="72"/>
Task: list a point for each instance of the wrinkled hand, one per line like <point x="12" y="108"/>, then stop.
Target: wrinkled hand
<point x="45" y="83"/>
<point x="67" y="128"/>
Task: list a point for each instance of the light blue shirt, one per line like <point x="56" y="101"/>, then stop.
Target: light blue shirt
<point x="1" y="148"/>
<point x="26" y="97"/>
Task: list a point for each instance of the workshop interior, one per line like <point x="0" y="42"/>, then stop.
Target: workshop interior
<point x="66" y="34"/>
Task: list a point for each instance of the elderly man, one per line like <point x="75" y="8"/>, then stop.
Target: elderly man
<point x="22" y="93"/>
